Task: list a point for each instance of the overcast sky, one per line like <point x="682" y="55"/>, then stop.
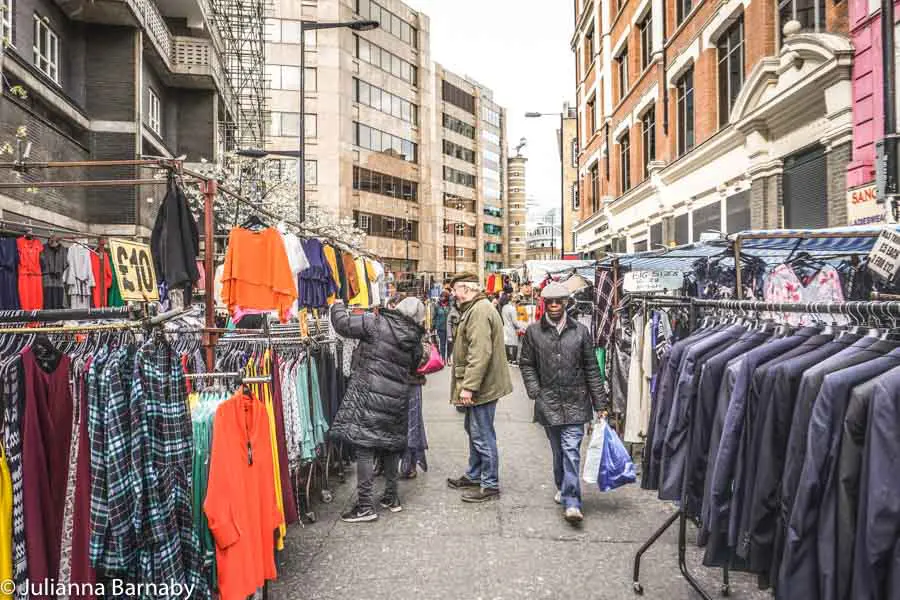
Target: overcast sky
<point x="520" y="49"/>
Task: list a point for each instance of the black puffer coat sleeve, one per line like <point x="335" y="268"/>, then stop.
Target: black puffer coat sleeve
<point x="531" y="376"/>
<point x="592" y="374"/>
<point x="359" y="327"/>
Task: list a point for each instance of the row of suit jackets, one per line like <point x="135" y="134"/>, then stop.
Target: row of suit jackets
<point x="785" y="445"/>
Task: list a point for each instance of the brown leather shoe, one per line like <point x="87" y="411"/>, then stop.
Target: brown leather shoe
<point x="462" y="482"/>
<point x="481" y="495"/>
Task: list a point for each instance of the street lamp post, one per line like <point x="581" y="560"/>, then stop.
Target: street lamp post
<point x="301" y="157"/>
<point x="562" y="173"/>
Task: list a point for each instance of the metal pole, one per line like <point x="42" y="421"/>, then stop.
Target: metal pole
<point x="739" y="291"/>
<point x="301" y="158"/>
<point x="890" y="75"/>
<point x="209" y="188"/>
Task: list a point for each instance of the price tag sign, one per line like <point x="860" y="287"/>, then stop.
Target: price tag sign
<point x="133" y="265"/>
<point x="884" y="259"/>
<point x="653" y="281"/>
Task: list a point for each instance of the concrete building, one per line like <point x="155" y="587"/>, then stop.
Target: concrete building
<point x="709" y="116"/>
<point x="108" y="79"/>
<point x="518" y="210"/>
<point x="571" y="203"/>
<point x="543" y="242"/>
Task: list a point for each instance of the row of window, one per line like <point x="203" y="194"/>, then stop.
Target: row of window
<point x="459" y="203"/>
<point x="368" y="9"/>
<point x="381" y="141"/>
<point x="454" y="176"/>
<point x="367" y="180"/>
<point x="45" y="44"/>
<point x="388" y="62"/>
<point x="493" y="247"/>
<point x="463" y="254"/>
<point x="287" y="124"/>
<point x="493" y="212"/>
<point x="287" y="31"/>
<point x="287" y="77"/>
<point x="460" y="127"/>
<point x="490" y="115"/>
<point x="459" y="229"/>
<point x="386" y="102"/>
<point x="491" y="229"/>
<point x="457" y="151"/>
<point x="457" y="97"/>
<point x="648" y="150"/>
<point x="397" y="228"/>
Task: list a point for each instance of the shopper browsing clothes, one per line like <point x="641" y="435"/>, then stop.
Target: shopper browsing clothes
<point x="511" y="329"/>
<point x="480" y="378"/>
<point x="562" y="376"/>
<point x="441" y="322"/>
<point x="373" y="415"/>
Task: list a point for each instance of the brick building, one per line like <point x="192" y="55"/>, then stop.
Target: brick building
<point x="108" y="80"/>
<point x="700" y="116"/>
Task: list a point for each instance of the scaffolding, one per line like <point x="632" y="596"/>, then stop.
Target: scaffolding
<point x="242" y="25"/>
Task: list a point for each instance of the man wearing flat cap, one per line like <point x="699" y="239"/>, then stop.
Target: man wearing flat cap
<point x="480" y="378"/>
<point x="562" y="376"/>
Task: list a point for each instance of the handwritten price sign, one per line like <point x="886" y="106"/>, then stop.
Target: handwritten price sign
<point x="884" y="259"/>
<point x="133" y="265"/>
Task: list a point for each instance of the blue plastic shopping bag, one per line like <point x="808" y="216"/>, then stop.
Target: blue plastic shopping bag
<point x="616" y="466"/>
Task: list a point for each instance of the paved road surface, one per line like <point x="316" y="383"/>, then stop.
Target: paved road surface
<point x="517" y="548"/>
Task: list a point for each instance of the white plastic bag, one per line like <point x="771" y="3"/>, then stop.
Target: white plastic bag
<point x="594" y="453"/>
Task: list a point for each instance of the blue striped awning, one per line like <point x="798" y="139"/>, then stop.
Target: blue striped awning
<point x="679" y="258"/>
<point x="836" y="240"/>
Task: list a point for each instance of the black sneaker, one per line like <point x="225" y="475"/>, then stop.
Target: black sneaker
<point x="462" y="482"/>
<point x="481" y="495"/>
<point x="392" y="503"/>
<point x="359" y="515"/>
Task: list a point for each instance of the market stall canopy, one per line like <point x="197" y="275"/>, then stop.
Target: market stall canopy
<point x="678" y="258"/>
<point x="835" y="240"/>
<point x="538" y="269"/>
<point x="575" y="283"/>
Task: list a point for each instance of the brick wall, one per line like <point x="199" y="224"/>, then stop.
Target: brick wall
<point x="113" y="204"/>
<point x="196" y="124"/>
<point x="111" y="64"/>
<point x="765" y="202"/>
<point x="837" y="160"/>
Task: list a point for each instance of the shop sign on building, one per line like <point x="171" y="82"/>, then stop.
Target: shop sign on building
<point x="863" y="207"/>
<point x="653" y="281"/>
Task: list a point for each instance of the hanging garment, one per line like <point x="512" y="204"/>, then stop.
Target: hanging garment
<point x="316" y="282"/>
<point x="115" y="294"/>
<point x="350" y="273"/>
<point x="9" y="274"/>
<point x="331" y="263"/>
<point x="102" y="281"/>
<point x="175" y="241"/>
<point x="377" y="286"/>
<point x="6" y="516"/>
<point x="240" y="503"/>
<point x="12" y="395"/>
<point x="784" y="286"/>
<point x="79" y="276"/>
<point x="604" y="311"/>
<point x="289" y="503"/>
<point x="637" y="416"/>
<point x="257" y="274"/>
<point x="55" y="259"/>
<point x="362" y="299"/>
<point x="31" y="286"/>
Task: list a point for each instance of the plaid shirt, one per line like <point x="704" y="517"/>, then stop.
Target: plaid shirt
<point x="161" y="459"/>
<point x="604" y="313"/>
<point x="11" y="395"/>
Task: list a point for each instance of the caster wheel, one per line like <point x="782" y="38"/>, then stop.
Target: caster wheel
<point x="726" y="591"/>
<point x="312" y="517"/>
<point x="638" y="589"/>
<point x="327" y="496"/>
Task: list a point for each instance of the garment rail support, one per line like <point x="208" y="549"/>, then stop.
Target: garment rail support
<point x="131" y="311"/>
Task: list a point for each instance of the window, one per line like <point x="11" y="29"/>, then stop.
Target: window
<point x="731" y="69"/>
<point x="490" y="115"/>
<point x="386" y="102"/>
<point x="380" y="141"/>
<point x="368" y="52"/>
<point x="683" y="9"/>
<point x="575" y="153"/>
<point x="368" y="9"/>
<point x="589" y="48"/>
<point x="287" y="77"/>
<point x="625" y="162"/>
<point x="648" y="138"/>
<point x="685" y="94"/>
<point x="454" y="176"/>
<point x="367" y="180"/>
<point x="457" y="151"/>
<point x="646" y="27"/>
<point x="46" y="48"/>
<point x="460" y="252"/>
<point x="287" y="124"/>
<point x="595" y="188"/>
<point x="457" y="97"/>
<point x="682" y="232"/>
<point x="708" y="218"/>
<point x="737" y="212"/>
<point x="6" y="22"/>
<point x="810" y="14"/>
<point x="389" y="227"/>
<point x="285" y="31"/>
<point x="311" y="168"/>
<point x="656" y="236"/>
<point x="460" y="127"/>
<point x="622" y="72"/>
<point x="590" y="113"/>
<point x="364" y="222"/>
<point x="576" y="200"/>
<point x="154" y="113"/>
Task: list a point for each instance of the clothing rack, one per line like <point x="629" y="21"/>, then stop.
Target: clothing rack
<point x="854" y="309"/>
<point x="132" y="311"/>
<point x="231" y="374"/>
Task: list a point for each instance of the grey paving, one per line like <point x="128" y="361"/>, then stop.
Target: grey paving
<point x="516" y="548"/>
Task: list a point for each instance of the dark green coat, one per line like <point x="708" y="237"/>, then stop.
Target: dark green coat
<point x="479" y="355"/>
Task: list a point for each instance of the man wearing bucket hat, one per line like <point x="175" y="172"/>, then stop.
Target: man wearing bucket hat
<point x="562" y="376"/>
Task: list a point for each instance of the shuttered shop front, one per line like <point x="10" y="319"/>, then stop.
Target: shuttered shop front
<point x="806" y="190"/>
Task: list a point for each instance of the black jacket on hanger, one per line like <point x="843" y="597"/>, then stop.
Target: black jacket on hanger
<point x="175" y="241"/>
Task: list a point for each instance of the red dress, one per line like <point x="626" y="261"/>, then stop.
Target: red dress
<point x="101" y="298"/>
<point x="31" y="286"/>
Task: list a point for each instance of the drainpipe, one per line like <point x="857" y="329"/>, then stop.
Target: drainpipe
<point x="889" y="83"/>
<point x="665" y="84"/>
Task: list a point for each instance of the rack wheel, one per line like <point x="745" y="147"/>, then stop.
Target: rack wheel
<point x="327" y="496"/>
<point x="311" y="516"/>
<point x="726" y="591"/>
<point x="638" y="589"/>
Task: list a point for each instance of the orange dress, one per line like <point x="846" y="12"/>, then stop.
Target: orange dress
<point x="241" y="505"/>
<point x="257" y="274"/>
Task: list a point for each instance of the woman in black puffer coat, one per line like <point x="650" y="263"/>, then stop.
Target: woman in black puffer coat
<point x="374" y="412"/>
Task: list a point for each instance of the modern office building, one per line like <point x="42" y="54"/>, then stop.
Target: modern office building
<point x="518" y="209"/>
<point x="698" y="116"/>
<point x="109" y="80"/>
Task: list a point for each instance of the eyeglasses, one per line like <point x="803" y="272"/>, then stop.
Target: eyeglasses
<point x="549" y="301"/>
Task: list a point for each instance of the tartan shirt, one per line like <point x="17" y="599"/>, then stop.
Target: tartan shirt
<point x="161" y="459"/>
<point x="12" y="396"/>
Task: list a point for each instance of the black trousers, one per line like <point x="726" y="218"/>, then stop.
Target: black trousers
<point x="365" y="475"/>
<point x="512" y="353"/>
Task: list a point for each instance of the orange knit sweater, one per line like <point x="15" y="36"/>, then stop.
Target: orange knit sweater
<point x="257" y="273"/>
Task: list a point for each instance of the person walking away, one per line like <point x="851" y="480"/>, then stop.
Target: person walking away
<point x="453" y="317"/>
<point x="510" y="331"/>
<point x="373" y="415"/>
<point x="441" y="314"/>
<point x="480" y="377"/>
<point x="562" y="376"/>
<point x="417" y="441"/>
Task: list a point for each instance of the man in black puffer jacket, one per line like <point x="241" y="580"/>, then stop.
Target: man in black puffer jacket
<point x="373" y="415"/>
<point x="562" y="376"/>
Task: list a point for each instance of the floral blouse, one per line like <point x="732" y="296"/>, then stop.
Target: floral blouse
<point x="783" y="286"/>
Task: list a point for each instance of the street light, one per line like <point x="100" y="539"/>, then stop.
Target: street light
<point x="301" y="157"/>
<point x="562" y="176"/>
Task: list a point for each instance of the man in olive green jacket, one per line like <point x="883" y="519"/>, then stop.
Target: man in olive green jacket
<point x="480" y="377"/>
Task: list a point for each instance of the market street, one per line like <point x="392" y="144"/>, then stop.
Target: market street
<point x="516" y="548"/>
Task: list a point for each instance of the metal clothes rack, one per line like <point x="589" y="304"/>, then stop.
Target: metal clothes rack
<point x="857" y="310"/>
<point x="131" y="311"/>
<point x="241" y="379"/>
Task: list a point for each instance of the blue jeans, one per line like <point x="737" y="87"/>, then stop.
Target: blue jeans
<point x="484" y="459"/>
<point x="442" y="341"/>
<point x="565" y="441"/>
